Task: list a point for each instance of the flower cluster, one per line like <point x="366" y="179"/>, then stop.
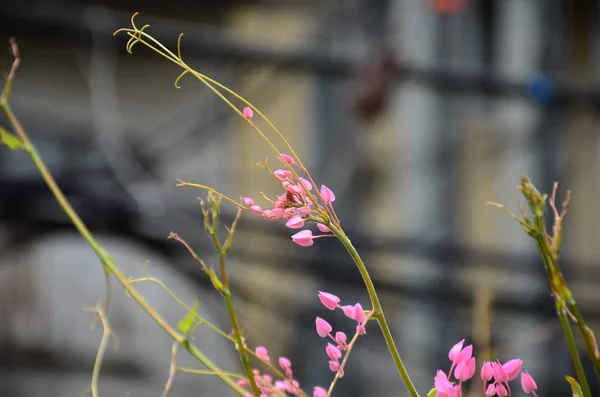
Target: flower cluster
<point x="297" y="205"/>
<point x="324" y="330"/>
<point x="495" y="375"/>
<point x="265" y="383"/>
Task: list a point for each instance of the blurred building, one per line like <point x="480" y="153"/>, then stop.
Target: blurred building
<point x="415" y="116"/>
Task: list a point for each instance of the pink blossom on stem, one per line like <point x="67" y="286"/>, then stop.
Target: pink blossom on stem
<point x="358" y="314"/>
<point x="303" y="238"/>
<point x="328" y="300"/>
<point x="334" y="365"/>
<point x="282" y="174"/>
<point x="286" y="158"/>
<point x="501" y="390"/>
<point x="323" y="228"/>
<point x="333" y="352"/>
<point x="327" y="195"/>
<point x="512" y="368"/>
<point x="249" y="202"/>
<point x="491" y="390"/>
<point x="248" y="113"/>
<point x="347" y="309"/>
<point x="295" y="222"/>
<point x="307" y="184"/>
<point x="319" y="392"/>
<point x="323" y="327"/>
<point x="256" y="209"/>
<point x="465" y="369"/>
<point x="499" y="374"/>
<point x="487" y="371"/>
<point x="455" y="351"/>
<point x="360" y="329"/>
<point x="341" y="338"/>
<point x="527" y="383"/>
<point x="242" y="383"/>
<point x="305" y="210"/>
<point x="285" y="363"/>
<point x="262" y="353"/>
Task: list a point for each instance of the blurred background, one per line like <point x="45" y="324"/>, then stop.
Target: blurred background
<point x="415" y="113"/>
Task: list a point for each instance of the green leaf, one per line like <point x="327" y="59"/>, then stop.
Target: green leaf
<point x="188" y="321"/>
<point x="10" y="140"/>
<point x="575" y="388"/>
<point x="432" y="393"/>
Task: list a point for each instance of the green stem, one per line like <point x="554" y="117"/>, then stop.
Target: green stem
<point x="378" y="310"/>
<point x="566" y="326"/>
<point x="590" y="343"/>
<point x="104" y="257"/>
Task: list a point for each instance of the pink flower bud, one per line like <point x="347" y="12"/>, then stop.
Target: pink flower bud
<point x="499" y="374"/>
<point x="358" y="314"/>
<point x="347" y="309"/>
<point x="242" y="383"/>
<point x="303" y="238"/>
<point x="334" y="366"/>
<point x="341" y="338"/>
<point x="501" y="390"/>
<point x="319" y="392"/>
<point x="360" y="329"/>
<point x="328" y="300"/>
<point x="262" y="353"/>
<point x="256" y="209"/>
<point x="512" y="368"/>
<point x="248" y="113"/>
<point x="285" y="363"/>
<point x="306" y="183"/>
<point x="295" y="222"/>
<point x="491" y="390"/>
<point x="527" y="383"/>
<point x="286" y="158"/>
<point x="282" y="174"/>
<point x="455" y="351"/>
<point x="333" y="352"/>
<point x="323" y="228"/>
<point x="305" y="210"/>
<point x="249" y="202"/>
<point x="280" y="385"/>
<point x="465" y="369"/>
<point x="487" y="372"/>
<point x="327" y="194"/>
<point x="323" y="327"/>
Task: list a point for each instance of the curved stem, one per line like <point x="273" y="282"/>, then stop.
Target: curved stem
<point x="377" y="309"/>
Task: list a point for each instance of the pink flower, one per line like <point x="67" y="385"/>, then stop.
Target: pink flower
<point x="282" y="174"/>
<point x="444" y="387"/>
<point x="306" y="210"/>
<point x="501" y="390"/>
<point x="465" y="369"/>
<point x="491" y="390"/>
<point x="295" y="222"/>
<point x="285" y="363"/>
<point x="465" y="354"/>
<point x="334" y="366"/>
<point x="333" y="352"/>
<point x="286" y="158"/>
<point x="499" y="374"/>
<point x="323" y="228"/>
<point x="319" y="392"/>
<point x="307" y="184"/>
<point x="249" y="202"/>
<point x="360" y="329"/>
<point x="358" y="314"/>
<point x="323" y="327"/>
<point x="327" y="195"/>
<point x="256" y="209"/>
<point x="303" y="238"/>
<point x="455" y="351"/>
<point x="248" y="113"/>
<point x="242" y="383"/>
<point x="487" y="372"/>
<point x="512" y="368"/>
<point x="328" y="300"/>
<point x="527" y="383"/>
<point x="262" y="353"/>
<point x="341" y="338"/>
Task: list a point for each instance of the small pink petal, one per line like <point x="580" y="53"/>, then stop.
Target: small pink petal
<point x="347" y="309"/>
<point x="256" y="209"/>
<point x="295" y="222"/>
<point x="303" y="238"/>
<point x="285" y="363"/>
<point x="454" y="352"/>
<point x="282" y="174"/>
<point x="341" y="338"/>
<point x="306" y="183"/>
<point x="491" y="390"/>
<point x="333" y="352"/>
<point x="327" y="194"/>
<point x="319" y="392"/>
<point x="334" y="366"/>
<point x="242" y="383"/>
<point x="501" y="390"/>
<point x="323" y="228"/>
<point x="249" y="202"/>
<point x="262" y="352"/>
<point x="512" y="368"/>
<point x="527" y="383"/>
<point x="323" y="327"/>
<point x="286" y="158"/>
<point x="465" y="369"/>
<point x="248" y="113"/>
<point x="328" y="300"/>
<point x="305" y="210"/>
<point x="358" y="314"/>
<point x="360" y="329"/>
<point x="499" y="374"/>
<point x="487" y="372"/>
<point x="441" y="382"/>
